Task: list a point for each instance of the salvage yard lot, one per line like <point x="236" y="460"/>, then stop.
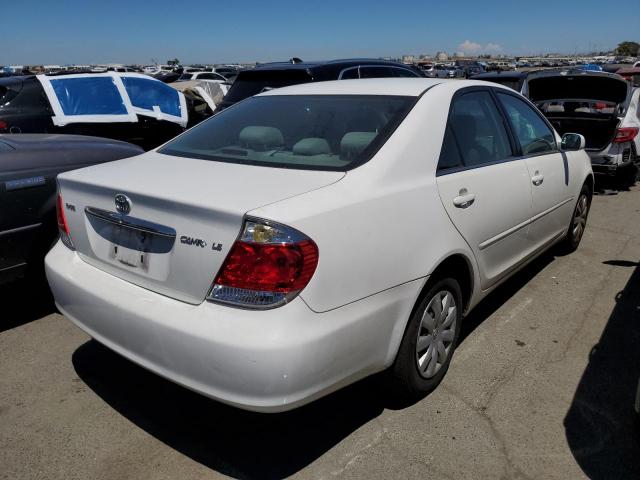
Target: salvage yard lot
<point x="542" y="386"/>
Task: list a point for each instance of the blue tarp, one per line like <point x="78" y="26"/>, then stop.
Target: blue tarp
<point x="147" y="94"/>
<point x="89" y="96"/>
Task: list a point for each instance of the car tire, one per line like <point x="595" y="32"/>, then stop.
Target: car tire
<point x="429" y="341"/>
<point x="578" y="222"/>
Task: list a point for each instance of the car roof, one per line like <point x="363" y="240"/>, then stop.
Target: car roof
<point x="410" y="87"/>
<point x="312" y="65"/>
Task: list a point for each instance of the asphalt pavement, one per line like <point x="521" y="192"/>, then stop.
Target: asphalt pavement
<point x="541" y="386"/>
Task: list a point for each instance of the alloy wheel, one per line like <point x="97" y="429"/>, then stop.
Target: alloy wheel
<point x="580" y="218"/>
<point x="436" y="333"/>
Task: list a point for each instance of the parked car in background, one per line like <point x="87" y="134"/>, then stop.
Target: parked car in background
<point x="428" y="69"/>
<point x="29" y="165"/>
<point x="202" y="76"/>
<point x="514" y="80"/>
<point x="631" y="75"/>
<point x="281" y="74"/>
<point x="124" y="106"/>
<point x="282" y="241"/>
<point x="470" y="67"/>
<point x="599" y="106"/>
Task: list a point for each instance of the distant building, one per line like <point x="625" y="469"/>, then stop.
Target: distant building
<point x="408" y="58"/>
<point x="459" y="55"/>
<point x="442" y="56"/>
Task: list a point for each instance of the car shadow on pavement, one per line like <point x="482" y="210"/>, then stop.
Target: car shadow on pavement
<point x="244" y="444"/>
<point x="24" y="301"/>
<point x="601" y="425"/>
<point x="234" y="442"/>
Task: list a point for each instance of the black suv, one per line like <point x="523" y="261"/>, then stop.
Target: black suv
<point x="268" y="76"/>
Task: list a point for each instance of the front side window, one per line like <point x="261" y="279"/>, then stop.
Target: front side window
<point x="319" y="132"/>
<point x="533" y="133"/>
<point x="479" y="130"/>
<point x="152" y="94"/>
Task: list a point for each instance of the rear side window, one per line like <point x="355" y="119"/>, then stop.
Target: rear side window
<point x="533" y="133"/>
<point x="79" y="96"/>
<point x="375" y="72"/>
<point x="403" y="72"/>
<point x="478" y="129"/>
<point x="318" y="132"/>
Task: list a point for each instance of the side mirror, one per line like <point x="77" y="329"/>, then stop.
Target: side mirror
<point x="572" y="141"/>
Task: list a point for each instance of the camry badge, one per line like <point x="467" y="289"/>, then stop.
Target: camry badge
<point x="123" y="204"/>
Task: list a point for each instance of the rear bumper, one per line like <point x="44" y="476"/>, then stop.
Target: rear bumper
<point x="271" y="360"/>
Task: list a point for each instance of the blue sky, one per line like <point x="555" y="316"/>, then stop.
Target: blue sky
<point x="90" y="31"/>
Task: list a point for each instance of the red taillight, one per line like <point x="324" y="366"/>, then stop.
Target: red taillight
<point x="63" y="226"/>
<point x="269" y="268"/>
<point x="625" y="134"/>
<point x="4" y="125"/>
<point x="266" y="267"/>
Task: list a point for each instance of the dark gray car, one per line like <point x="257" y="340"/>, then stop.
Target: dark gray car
<point x="29" y="164"/>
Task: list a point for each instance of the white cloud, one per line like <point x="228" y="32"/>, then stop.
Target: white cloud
<point x="475" y="48"/>
<point x="470" y="47"/>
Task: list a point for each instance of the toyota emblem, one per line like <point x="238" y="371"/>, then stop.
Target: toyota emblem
<point x="123" y="204"/>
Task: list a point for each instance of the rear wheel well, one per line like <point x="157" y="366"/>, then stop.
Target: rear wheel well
<point x="589" y="181"/>
<point x="457" y="267"/>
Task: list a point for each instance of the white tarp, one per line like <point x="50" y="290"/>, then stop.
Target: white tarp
<point x="111" y="97"/>
<point x="210" y="91"/>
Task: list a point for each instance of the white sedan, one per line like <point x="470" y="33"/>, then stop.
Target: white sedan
<point x="316" y="234"/>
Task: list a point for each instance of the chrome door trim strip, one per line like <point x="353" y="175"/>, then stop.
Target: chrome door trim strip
<point x="520" y="226"/>
<point x="20" y="229"/>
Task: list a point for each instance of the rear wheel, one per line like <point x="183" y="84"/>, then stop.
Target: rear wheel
<point x="429" y="340"/>
<point x="578" y="222"/>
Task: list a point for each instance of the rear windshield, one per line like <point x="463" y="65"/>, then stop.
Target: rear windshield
<point x="318" y="132"/>
<point x="249" y="84"/>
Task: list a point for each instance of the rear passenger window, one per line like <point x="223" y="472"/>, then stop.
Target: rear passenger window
<point x="479" y="130"/>
<point x="449" y="155"/>
<point x="350" y="73"/>
<point x="533" y="133"/>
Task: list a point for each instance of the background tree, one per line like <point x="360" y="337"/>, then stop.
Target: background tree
<point x="628" y="49"/>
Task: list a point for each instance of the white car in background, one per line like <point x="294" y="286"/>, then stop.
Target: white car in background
<point x="313" y="235"/>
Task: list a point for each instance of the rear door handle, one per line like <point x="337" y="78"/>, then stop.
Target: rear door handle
<point x="537" y="179"/>
<point x="464" y="200"/>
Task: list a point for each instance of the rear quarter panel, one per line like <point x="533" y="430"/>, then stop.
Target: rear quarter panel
<point x="383" y="224"/>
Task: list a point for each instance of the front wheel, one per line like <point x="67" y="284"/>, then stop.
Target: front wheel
<point x="429" y="340"/>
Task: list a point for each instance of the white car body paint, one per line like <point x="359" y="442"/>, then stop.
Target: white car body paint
<point x="381" y="229"/>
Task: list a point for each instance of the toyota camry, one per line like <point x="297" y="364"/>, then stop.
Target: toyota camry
<point x="313" y="235"/>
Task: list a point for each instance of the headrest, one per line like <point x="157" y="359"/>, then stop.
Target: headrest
<point x="353" y="143"/>
<point x="261" y="138"/>
<point x="311" y="146"/>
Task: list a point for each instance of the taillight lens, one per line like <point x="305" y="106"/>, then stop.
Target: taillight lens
<point x="625" y="134"/>
<point x="267" y="266"/>
<point x="63" y="226"/>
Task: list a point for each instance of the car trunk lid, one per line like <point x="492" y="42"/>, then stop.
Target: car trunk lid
<point x="184" y="215"/>
<point x="578" y="86"/>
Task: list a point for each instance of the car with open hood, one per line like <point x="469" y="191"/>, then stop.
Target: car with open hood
<point x="313" y="235"/>
<point x="600" y="106"/>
